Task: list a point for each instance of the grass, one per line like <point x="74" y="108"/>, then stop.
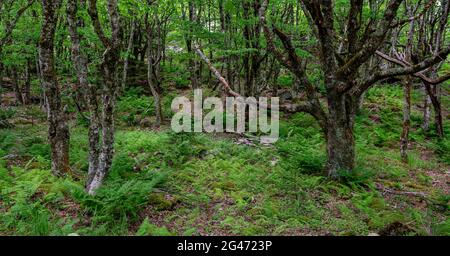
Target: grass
<point x="162" y="183"/>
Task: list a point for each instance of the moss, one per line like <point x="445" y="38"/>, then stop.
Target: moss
<point x="162" y="202"/>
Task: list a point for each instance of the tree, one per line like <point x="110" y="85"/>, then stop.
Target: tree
<point x="155" y="47"/>
<point x="81" y="69"/>
<point x="11" y="23"/>
<point x="58" y="130"/>
<point x="109" y="72"/>
<point x="344" y="86"/>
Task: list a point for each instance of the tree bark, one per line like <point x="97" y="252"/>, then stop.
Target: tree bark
<point x="339" y="134"/>
<point x="27" y="85"/>
<point x="426" y="112"/>
<point x="58" y="131"/>
<point x="404" y="139"/>
<point x="151" y="78"/>
<point x="109" y="72"/>
<point x="193" y="65"/>
<point x="17" y="89"/>
<point x="128" y="54"/>
<point x="80" y="63"/>
<point x="407" y="87"/>
<point x="438" y="119"/>
<point x="1" y="84"/>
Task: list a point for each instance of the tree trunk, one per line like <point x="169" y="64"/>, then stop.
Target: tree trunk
<point x="404" y="139"/>
<point x="107" y="122"/>
<point x="93" y="133"/>
<point x="58" y="131"/>
<point x="426" y="112"/>
<point x="80" y="63"/>
<point x="438" y="112"/>
<point x="17" y="89"/>
<point x="339" y="135"/>
<point x="109" y="66"/>
<point x="438" y="119"/>
<point x="151" y="74"/>
<point x="192" y="64"/>
<point x="128" y="54"/>
<point x="27" y="85"/>
<point x="407" y="87"/>
<point x="1" y="83"/>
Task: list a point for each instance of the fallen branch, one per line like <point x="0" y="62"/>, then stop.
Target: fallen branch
<point x="383" y="189"/>
<point x="216" y="73"/>
<point x="290" y="108"/>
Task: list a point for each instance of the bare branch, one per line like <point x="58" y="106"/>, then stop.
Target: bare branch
<point x="404" y="70"/>
<point x="289" y="108"/>
<point x="372" y="42"/>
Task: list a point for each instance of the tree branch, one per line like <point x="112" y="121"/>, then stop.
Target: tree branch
<point x="12" y="24"/>
<point x="372" y="42"/>
<point x="93" y="13"/>
<point x="404" y="70"/>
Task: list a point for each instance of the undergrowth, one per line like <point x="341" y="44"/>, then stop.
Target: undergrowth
<point x="162" y="183"/>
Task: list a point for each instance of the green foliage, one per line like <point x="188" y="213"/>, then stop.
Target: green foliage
<point x="302" y="145"/>
<point x="148" y="229"/>
<point x="443" y="150"/>
<point x="6" y="113"/>
<point x="27" y="197"/>
<point x="285" y="80"/>
<point x="118" y="199"/>
<point x="209" y="181"/>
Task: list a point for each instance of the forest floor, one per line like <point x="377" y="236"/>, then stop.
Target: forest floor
<point x="163" y="183"/>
